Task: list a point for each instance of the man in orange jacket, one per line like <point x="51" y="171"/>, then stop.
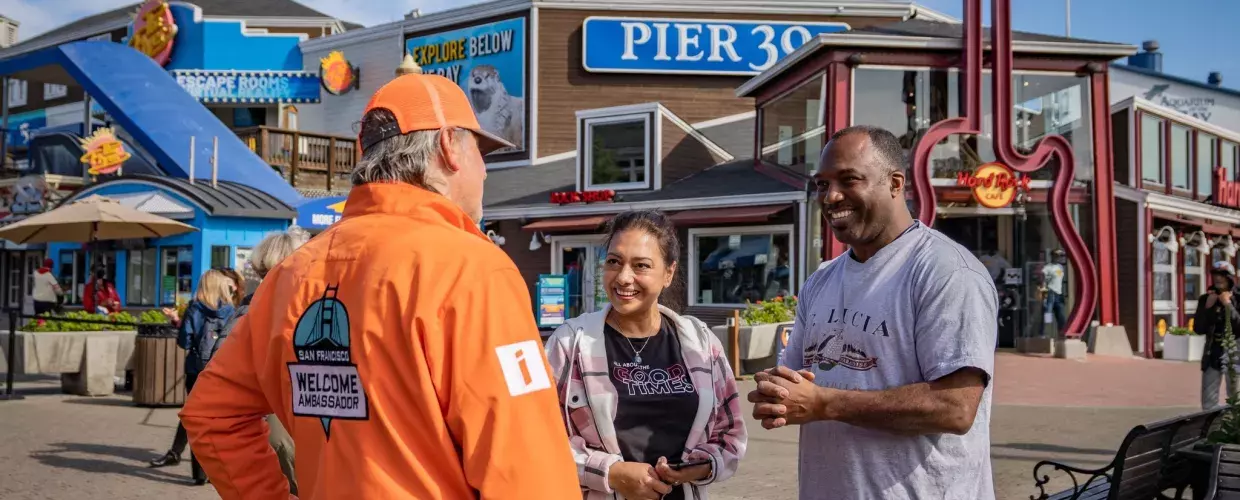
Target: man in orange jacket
<point x="398" y="347"/>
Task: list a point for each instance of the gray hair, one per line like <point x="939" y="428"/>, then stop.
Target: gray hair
<point x="400" y="158"/>
<point x="275" y="248"/>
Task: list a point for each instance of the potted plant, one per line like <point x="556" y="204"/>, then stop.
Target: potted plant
<point x="1183" y="344"/>
<point x="759" y="338"/>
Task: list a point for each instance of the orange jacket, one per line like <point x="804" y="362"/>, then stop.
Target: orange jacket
<point x="399" y="349"/>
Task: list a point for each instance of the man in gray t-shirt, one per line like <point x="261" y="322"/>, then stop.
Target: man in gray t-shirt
<point x="888" y="368"/>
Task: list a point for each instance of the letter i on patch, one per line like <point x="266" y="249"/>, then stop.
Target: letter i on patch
<point x="523" y="367"/>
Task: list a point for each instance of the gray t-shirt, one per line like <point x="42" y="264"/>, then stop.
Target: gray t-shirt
<point x="920" y="309"/>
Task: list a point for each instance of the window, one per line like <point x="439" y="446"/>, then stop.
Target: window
<point x="54" y="91"/>
<point x="142" y="275"/>
<point x="17" y="93"/>
<point x="1194" y="271"/>
<point x="618" y="152"/>
<point x="1151" y="149"/>
<point x="15" y="278"/>
<point x="1206" y="163"/>
<point x="1227" y="159"/>
<point x="1180" y="175"/>
<point x="221" y="256"/>
<point x="73" y="275"/>
<point x="729" y="266"/>
<point x="792" y="127"/>
<point x="176" y="281"/>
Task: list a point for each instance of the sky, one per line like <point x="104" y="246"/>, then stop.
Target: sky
<point x="1195" y="36"/>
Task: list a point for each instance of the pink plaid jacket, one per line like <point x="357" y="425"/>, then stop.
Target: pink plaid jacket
<point x="578" y="355"/>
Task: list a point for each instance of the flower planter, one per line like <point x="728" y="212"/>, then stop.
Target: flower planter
<point x="1183" y="347"/>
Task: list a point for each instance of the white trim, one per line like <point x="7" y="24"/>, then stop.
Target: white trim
<point x="1177" y="205"/>
<point x="744" y="200"/>
<point x="531" y="61"/>
<point x="692" y="132"/>
<point x="648" y="163"/>
<point x="692" y="271"/>
<point x="724" y="120"/>
<point x="627" y="109"/>
<point x="918" y="42"/>
<point x="556" y="247"/>
<point x="1166" y="306"/>
<point x="161" y="187"/>
<point x="1138" y="103"/>
<point x="555" y="157"/>
<point x="500" y="165"/>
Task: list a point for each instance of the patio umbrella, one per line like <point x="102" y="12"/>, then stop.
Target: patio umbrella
<point x="94" y="218"/>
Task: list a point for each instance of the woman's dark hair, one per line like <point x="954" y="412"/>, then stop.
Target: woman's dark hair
<point x="660" y="226"/>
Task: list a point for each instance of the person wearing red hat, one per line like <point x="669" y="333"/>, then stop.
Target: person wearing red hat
<point x="46" y="293"/>
<point x="398" y="347"/>
<point x="1214" y="309"/>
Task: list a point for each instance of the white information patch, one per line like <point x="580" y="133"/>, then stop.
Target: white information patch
<point x="523" y="367"/>
<point x="333" y="391"/>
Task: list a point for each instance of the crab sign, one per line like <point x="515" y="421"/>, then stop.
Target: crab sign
<point x="1049" y="148"/>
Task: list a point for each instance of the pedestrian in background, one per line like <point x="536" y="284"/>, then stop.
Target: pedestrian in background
<point x="662" y="378"/>
<point x="47" y="292"/>
<point x="1214" y="309"/>
<point x="199" y="330"/>
<point x="398" y="346"/>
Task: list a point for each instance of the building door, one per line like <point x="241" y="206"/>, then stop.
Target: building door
<point x="581" y="259"/>
<point x="1164" y="283"/>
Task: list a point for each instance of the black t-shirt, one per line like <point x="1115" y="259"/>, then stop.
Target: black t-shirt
<point x="657" y="399"/>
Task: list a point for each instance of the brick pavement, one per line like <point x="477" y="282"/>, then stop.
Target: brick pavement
<point x="61" y="446"/>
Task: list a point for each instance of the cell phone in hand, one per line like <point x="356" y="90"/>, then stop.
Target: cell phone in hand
<point x="690" y="463"/>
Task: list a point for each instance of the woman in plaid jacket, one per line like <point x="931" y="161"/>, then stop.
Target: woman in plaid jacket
<point x="649" y="400"/>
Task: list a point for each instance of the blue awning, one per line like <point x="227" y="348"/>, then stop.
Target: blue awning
<point x="160" y="116"/>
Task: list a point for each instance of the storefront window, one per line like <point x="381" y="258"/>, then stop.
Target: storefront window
<point x="737" y="265"/>
<point x="1194" y="283"/>
<point x="1180" y="157"/>
<point x="1227" y="158"/>
<point x="619" y="152"/>
<point x="177" y="277"/>
<point x="909" y="102"/>
<point x="792" y="128"/>
<point x="1206" y="163"/>
<point x="15" y="278"/>
<point x="142" y="275"/>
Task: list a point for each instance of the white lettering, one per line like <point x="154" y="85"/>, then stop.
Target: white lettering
<point x="786" y="40"/>
<point x="661" y="28"/>
<point x="686" y="41"/>
<point x="629" y="41"/>
<point x="772" y="54"/>
<point x="722" y="37"/>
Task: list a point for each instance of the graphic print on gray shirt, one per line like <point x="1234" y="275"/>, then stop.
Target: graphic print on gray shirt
<point x="919" y="309"/>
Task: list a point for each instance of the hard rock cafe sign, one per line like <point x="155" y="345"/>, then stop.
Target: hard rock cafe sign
<point x="994" y="185"/>
<point x="153" y="31"/>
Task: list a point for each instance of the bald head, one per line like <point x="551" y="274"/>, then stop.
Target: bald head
<point x="860" y="182"/>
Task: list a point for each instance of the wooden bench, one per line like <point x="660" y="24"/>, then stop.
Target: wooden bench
<point x="1225" y="473"/>
<point x="1144" y="466"/>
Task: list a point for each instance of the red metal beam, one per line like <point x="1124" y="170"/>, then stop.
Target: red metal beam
<point x="838" y="117"/>
<point x="1104" y="201"/>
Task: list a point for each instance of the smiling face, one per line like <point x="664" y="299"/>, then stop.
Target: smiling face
<point x="859" y="194"/>
<point x="635" y="272"/>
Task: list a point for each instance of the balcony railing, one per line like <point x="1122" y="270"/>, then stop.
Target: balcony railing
<point x="306" y="160"/>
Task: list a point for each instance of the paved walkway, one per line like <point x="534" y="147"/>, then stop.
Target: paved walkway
<point x="60" y="446"/>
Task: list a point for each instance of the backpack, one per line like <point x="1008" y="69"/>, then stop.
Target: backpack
<point x="204" y="342"/>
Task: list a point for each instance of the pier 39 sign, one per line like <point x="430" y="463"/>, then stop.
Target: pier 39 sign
<point x="692" y="46"/>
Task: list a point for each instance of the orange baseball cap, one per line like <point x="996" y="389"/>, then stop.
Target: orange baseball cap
<point x="426" y="102"/>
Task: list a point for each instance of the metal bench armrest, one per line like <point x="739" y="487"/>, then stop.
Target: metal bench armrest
<point x="1077" y="486"/>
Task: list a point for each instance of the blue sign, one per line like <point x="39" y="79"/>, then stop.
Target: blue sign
<point x="318" y="213"/>
<point x="264" y="87"/>
<point x="552" y="300"/>
<point x="22" y="127"/>
<point x="692" y="46"/>
<point x="488" y="62"/>
<point x="227" y="44"/>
